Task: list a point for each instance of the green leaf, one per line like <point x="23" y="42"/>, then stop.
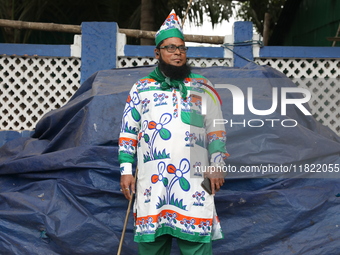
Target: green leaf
<point x="146" y="138"/>
<point x="164" y="134"/>
<point x="165" y="181"/>
<point x="135" y="114"/>
<point x="185" y="185"/>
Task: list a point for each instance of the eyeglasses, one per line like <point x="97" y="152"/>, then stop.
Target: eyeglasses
<point x="172" y="48"/>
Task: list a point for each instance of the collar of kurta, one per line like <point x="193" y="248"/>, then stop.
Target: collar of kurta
<point x="167" y="83"/>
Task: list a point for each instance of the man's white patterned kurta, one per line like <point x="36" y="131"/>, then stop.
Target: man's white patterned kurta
<point x="172" y="138"/>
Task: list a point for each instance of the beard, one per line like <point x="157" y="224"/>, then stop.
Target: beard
<point x="174" y="72"/>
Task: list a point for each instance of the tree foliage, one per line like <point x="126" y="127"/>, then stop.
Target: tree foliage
<point x="61" y="12"/>
<point x="255" y="10"/>
<point x="126" y="13"/>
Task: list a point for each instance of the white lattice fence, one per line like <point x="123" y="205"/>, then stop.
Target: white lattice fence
<point x="322" y="78"/>
<point x="304" y="68"/>
<point x="32" y="86"/>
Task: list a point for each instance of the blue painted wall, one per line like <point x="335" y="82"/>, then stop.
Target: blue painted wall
<point x="98" y="49"/>
<point x="35" y="50"/>
<point x="243" y="32"/>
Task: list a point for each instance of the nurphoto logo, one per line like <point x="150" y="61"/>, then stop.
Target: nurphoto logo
<point x="239" y="103"/>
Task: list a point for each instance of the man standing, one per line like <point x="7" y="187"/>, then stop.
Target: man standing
<point x="168" y="122"/>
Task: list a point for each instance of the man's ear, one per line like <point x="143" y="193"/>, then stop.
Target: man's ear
<point x="156" y="51"/>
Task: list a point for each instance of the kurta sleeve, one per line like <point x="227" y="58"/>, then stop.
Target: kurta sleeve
<point x="128" y="137"/>
<point x="216" y="133"/>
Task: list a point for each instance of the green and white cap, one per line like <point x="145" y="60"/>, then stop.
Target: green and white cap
<point x="170" y="28"/>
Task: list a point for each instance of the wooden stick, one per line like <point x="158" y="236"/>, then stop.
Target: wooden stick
<point x="125" y="225"/>
<point x="214" y="39"/>
<point x="333" y="39"/>
<point x="40" y="26"/>
<point x="336" y="36"/>
<point x="126" y="218"/>
<point x="188" y="38"/>
<point x="77" y="30"/>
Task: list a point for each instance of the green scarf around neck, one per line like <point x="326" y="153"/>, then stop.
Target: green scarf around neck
<point x="167" y="83"/>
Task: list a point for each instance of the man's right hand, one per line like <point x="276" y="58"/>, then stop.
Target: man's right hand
<point x="128" y="185"/>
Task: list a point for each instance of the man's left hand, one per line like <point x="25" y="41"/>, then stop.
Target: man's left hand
<point x="216" y="184"/>
<point x="216" y="179"/>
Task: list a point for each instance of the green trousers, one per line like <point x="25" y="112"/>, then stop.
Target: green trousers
<point x="162" y="246"/>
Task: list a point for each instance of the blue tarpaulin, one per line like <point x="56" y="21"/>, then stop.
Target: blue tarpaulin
<point x="59" y="187"/>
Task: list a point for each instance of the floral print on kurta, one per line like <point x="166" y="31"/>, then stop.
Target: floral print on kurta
<point x="170" y="137"/>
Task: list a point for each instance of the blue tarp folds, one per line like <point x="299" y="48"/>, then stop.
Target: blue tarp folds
<point x="59" y="188"/>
